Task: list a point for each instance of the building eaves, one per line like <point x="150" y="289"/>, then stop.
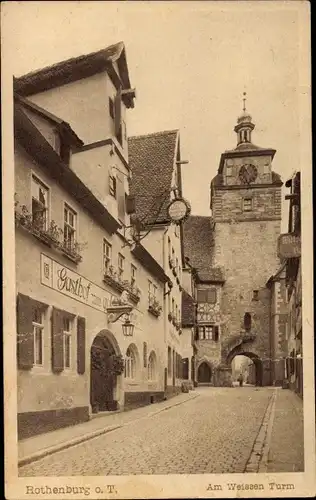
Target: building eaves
<point x="33" y="142"/>
<point x="152" y="161"/>
<point x="75" y="69"/>
<point x="148" y="262"/>
<point x="63" y="126"/>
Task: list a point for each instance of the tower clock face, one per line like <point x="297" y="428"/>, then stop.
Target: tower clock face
<point x="248" y="173"/>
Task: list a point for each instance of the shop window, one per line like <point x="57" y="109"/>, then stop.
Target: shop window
<point x="70" y="223"/>
<point x="40" y="195"/>
<point x="107" y="256"/>
<point x="152" y="366"/>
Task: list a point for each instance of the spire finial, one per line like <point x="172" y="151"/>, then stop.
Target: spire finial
<point x="244" y="100"/>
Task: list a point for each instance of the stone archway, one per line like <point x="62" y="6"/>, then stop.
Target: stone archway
<point x="204" y="373"/>
<point x="105" y="367"/>
<point x="257" y="362"/>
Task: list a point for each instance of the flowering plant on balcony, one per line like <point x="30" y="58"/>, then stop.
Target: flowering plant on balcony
<point x="51" y="235"/>
<point x="113" y="278"/>
<point x="154" y="307"/>
<point x="133" y="290"/>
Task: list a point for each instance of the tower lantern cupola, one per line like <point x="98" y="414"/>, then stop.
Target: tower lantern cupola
<point x="244" y="125"/>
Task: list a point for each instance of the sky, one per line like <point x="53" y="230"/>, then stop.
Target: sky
<point x="190" y="62"/>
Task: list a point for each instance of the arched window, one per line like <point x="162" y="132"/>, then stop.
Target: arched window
<point x="152" y="366"/>
<point x="247" y="321"/>
<point x="130" y="364"/>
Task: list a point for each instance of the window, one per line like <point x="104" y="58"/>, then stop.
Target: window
<point x="255" y="295"/>
<point x="112" y="185"/>
<point x="152" y="366"/>
<point x="39" y="203"/>
<point x="169" y="248"/>
<point x="247" y="204"/>
<point x="111" y="108"/>
<point x="152" y="291"/>
<point x="70" y="222"/>
<point x="38" y="327"/>
<point x="247" y="321"/>
<point x="173" y="307"/>
<point x="67" y="342"/>
<point x="177" y="264"/>
<point x="169" y="361"/>
<point x="107" y="255"/>
<point x="120" y="266"/>
<point x="209" y="332"/>
<point x="133" y="275"/>
<point x="176" y="312"/>
<point x="229" y="171"/>
<point x="207" y="295"/>
<point x="130" y="364"/>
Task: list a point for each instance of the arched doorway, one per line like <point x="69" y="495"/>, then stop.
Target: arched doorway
<point x="105" y="361"/>
<point x="249" y="365"/>
<point x="204" y="374"/>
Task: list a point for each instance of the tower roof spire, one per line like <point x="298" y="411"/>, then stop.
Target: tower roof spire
<point x="244" y="101"/>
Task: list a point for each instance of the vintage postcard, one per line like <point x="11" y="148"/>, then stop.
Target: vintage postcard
<point x="158" y="256"/>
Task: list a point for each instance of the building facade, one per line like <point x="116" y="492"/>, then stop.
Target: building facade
<point x="83" y="263"/>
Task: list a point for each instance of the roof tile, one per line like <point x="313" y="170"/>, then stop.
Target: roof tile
<point x="151" y="160"/>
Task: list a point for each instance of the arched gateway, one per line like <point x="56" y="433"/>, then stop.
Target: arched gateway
<point x="204" y="373"/>
<point x="257" y="362"/>
<point x="106" y="366"/>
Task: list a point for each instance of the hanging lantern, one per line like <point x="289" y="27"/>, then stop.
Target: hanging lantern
<point x="128" y="328"/>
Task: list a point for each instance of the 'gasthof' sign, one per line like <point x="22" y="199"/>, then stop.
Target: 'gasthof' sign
<point x="69" y="283"/>
<point x="289" y="246"/>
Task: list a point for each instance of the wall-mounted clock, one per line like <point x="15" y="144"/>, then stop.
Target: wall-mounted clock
<point x="248" y="173"/>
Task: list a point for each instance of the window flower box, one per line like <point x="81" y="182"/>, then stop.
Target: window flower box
<point x="133" y="291"/>
<point x="111" y="277"/>
<point x="51" y="236"/>
<point x="154" y="308"/>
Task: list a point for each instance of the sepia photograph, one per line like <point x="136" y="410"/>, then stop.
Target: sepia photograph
<point x="157" y="214"/>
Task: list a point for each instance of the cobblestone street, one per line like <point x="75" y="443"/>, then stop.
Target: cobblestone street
<point x="213" y="433"/>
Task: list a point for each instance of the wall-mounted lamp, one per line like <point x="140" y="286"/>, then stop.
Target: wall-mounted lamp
<point x="119" y="308"/>
<point x="128" y="328"/>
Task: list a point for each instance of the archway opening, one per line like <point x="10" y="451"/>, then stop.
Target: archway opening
<point x="204" y="374"/>
<point x="246" y="369"/>
<point x="103" y="373"/>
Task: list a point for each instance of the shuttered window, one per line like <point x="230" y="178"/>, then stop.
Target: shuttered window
<point x="25" y="339"/>
<point x="30" y="332"/>
<point x="57" y="340"/>
<point x="120" y="190"/>
<point x="81" y="345"/>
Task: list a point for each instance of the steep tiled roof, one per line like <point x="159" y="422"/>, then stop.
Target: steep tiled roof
<point x="187" y="307"/>
<point x="151" y="160"/>
<point x="198" y="247"/>
<point x="74" y="69"/>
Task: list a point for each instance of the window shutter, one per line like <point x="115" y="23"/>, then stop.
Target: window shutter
<point x="81" y="345"/>
<point x="118" y="116"/>
<point x="57" y="341"/>
<point x="120" y="198"/>
<point x="25" y="339"/>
